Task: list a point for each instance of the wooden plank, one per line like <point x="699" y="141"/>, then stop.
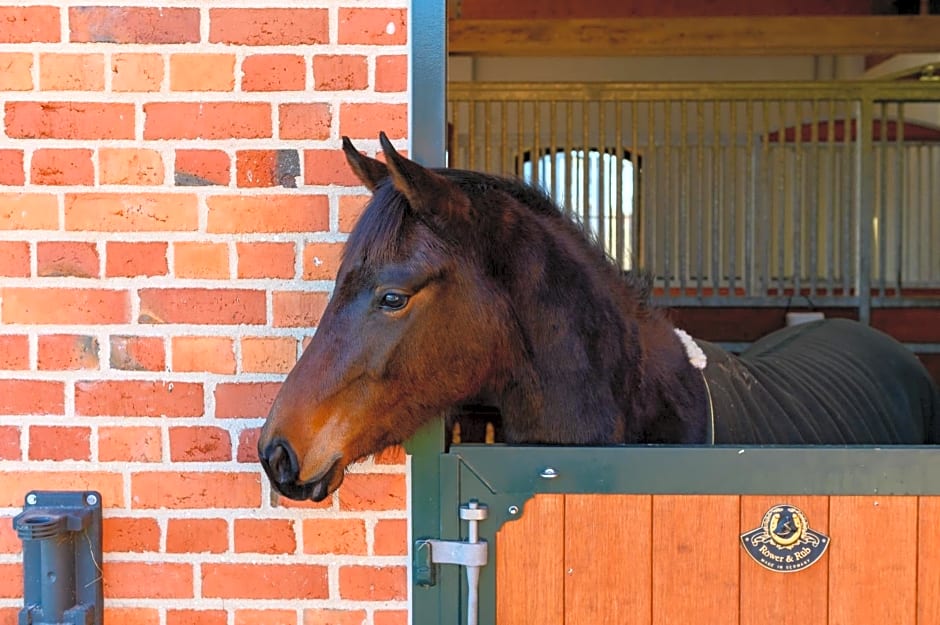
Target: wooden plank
<point x="529" y="564"/>
<point x="694" y="36"/>
<point x="928" y="561"/>
<point x="607" y="559"/>
<point x="695" y="558"/>
<point x="796" y="598"/>
<point x="872" y="560"/>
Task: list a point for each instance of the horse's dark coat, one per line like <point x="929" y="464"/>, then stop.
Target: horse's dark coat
<point x="825" y="382"/>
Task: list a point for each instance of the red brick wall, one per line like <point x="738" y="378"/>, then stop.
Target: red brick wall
<point x="172" y="202"/>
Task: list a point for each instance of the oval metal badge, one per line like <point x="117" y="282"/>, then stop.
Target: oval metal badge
<point x="784" y="542"/>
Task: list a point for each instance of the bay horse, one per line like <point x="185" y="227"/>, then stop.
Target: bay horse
<point x="458" y="287"/>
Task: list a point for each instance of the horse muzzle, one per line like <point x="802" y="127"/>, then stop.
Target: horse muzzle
<point x="279" y="461"/>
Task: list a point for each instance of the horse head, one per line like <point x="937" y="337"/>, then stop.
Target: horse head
<point x="409" y="331"/>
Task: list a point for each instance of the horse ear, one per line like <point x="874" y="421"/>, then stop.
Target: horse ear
<point x="369" y="170"/>
<point x="421" y="187"/>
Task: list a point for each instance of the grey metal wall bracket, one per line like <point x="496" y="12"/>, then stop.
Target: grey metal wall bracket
<point x="61" y="534"/>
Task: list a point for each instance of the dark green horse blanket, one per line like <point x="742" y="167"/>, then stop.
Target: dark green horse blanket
<point x="826" y="382"/>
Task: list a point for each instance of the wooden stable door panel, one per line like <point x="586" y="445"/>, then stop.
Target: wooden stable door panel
<point x="794" y="598"/>
<point x="873" y="560"/>
<point x="607" y="559"/>
<point x="695" y="559"/>
<point x="928" y="562"/>
<point x="530" y="562"/>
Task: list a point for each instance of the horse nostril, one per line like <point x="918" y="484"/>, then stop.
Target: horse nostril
<point x="282" y="462"/>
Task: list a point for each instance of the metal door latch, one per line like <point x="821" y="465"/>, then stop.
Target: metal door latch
<point x="471" y="554"/>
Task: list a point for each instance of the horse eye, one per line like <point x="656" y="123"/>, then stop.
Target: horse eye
<point x="393" y="301"/>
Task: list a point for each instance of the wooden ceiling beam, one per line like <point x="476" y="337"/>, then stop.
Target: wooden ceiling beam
<point x="706" y="36"/>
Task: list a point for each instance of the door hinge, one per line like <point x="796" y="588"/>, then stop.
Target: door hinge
<point x="471" y="554"/>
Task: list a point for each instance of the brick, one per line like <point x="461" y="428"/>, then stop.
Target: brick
<point x="19" y="397"/>
<point x="130" y="535"/>
<point x="321" y="260"/>
<point x="365" y="120"/>
<point x="197" y="536"/>
<point x="9" y="543"/>
<point x="340" y="72"/>
<point x="200" y="444"/>
<point x="390" y="617"/>
<point x="11" y="161"/>
<point x="274" y="72"/>
<point x="265" y="536"/>
<point x="115" y="24"/>
<point x="129" y="444"/>
<point x="131" y="616"/>
<point x="311" y="120"/>
<point x="29" y="24"/>
<point x="373" y="26"/>
<point x="64" y="306"/>
<point x="244" y="399"/>
<point x="71" y="72"/>
<point x="11" y="581"/>
<point x="268" y="354"/>
<point x="207" y="120"/>
<point x="14" y="259"/>
<point x="14" y="349"/>
<point x="202" y="168"/>
<point x="67" y="352"/>
<point x="186" y="490"/>
<point x="266" y="617"/>
<point x="69" y="120"/>
<point x="298" y="309"/>
<point x="373" y="491"/>
<point x="137" y="353"/>
<point x="267" y="168"/>
<point x="138" y="398"/>
<point x="10" y="443"/>
<point x="16" y="71"/>
<point x="391" y="537"/>
<point x="328" y="167"/>
<point x="264" y="581"/>
<point x="193" y="259"/>
<point x="203" y="306"/>
<point x="132" y="166"/>
<point x="335" y="536"/>
<point x="328" y="616"/>
<point x="373" y="583"/>
<point x="196" y="617"/>
<point x="135" y="259"/>
<point x="132" y="71"/>
<point x="15" y="484"/>
<point x="268" y="213"/>
<point x="257" y="260"/>
<point x="269" y="26"/>
<point x="62" y="167"/>
<point x="202" y="72"/>
<point x="77" y="259"/>
<point x="147" y="580"/>
<point x="248" y="445"/>
<point x="28" y="211"/>
<point x="131" y="212"/>
<point x="391" y="73"/>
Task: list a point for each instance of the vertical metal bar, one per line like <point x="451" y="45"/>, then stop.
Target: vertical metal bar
<point x="881" y="232"/>
<point x="668" y="235"/>
<point x="851" y="143"/>
<point x="552" y="141"/>
<point x="716" y="221"/>
<point x="487" y="133"/>
<point x="583" y="172"/>
<point x="813" y="179"/>
<point x="683" y="230"/>
<point x="831" y="212"/>
<point x="701" y="205"/>
<point x="602" y="208"/>
<point x="620" y="155"/>
<point x="503" y="137"/>
<point x="453" y="150"/>
<point x="767" y="191"/>
<point x="536" y="157"/>
<point x="471" y="133"/>
<point x="865" y="194"/>
<point x="749" y="198"/>
<point x="781" y="215"/>
<point x="638" y="209"/>
<point x="732" y="207"/>
<point x="651" y="217"/>
<point x="520" y="137"/>
<point x="798" y="203"/>
<point x="901" y="208"/>
<point x="569" y="157"/>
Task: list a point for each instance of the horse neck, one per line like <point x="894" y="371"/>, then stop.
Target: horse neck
<point x="593" y="371"/>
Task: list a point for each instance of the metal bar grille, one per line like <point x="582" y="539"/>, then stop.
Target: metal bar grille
<point x="739" y="193"/>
